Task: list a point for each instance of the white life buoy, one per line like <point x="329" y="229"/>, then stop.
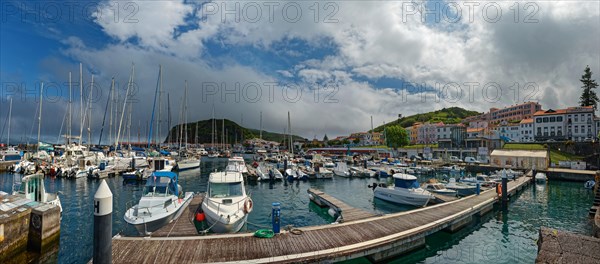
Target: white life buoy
<point x="248" y="206"/>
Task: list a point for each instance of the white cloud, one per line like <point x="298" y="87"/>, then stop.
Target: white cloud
<point x="378" y="42"/>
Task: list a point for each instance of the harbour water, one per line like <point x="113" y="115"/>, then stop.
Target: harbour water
<point x="497" y="237"/>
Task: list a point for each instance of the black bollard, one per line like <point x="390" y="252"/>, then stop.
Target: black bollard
<point x="284" y="165"/>
<point x="504" y="191"/>
<point x="365" y="164"/>
<point x="103" y="207"/>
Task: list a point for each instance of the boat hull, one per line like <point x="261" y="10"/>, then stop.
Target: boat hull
<point x="402" y="196"/>
<point x="219" y="225"/>
<point x="145" y="227"/>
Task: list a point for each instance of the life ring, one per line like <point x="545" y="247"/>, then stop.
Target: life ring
<point x="499" y="189"/>
<point x="248" y="206"/>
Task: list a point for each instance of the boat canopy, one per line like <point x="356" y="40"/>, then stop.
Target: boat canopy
<point x="406" y="181"/>
<point x="163" y="180"/>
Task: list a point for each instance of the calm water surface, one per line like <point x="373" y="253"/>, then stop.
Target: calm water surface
<point x="496" y="238"/>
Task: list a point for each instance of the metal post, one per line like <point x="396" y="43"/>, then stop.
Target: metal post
<point x="284" y="165"/>
<point x="276" y="217"/>
<point x="504" y="190"/>
<point x="478" y="188"/>
<point x="103" y="207"/>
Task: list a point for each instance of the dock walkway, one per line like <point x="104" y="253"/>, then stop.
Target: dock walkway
<point x="345" y="212"/>
<point x="184" y="225"/>
<point x="376" y="237"/>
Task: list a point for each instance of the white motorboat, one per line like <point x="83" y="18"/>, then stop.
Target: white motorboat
<point x="188" y="163"/>
<point x="406" y="190"/>
<point x="461" y="188"/>
<point x="438" y="188"/>
<point x="226" y="205"/>
<point x="540" y="177"/>
<point x="295" y="173"/>
<point x="324" y="173"/>
<point x="589" y="184"/>
<point x="160" y="204"/>
<point x="162" y="164"/>
<point x="341" y="169"/>
<point x="266" y="172"/>
<point x="32" y="188"/>
<point x="237" y="163"/>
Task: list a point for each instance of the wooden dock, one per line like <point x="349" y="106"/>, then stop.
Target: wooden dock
<point x="344" y="212"/>
<point x="184" y="224"/>
<point x="377" y="238"/>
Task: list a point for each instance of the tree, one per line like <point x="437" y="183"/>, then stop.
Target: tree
<point x="325" y="138"/>
<point x="396" y="136"/>
<point x="356" y="140"/>
<point x="588" y="97"/>
<point x="345" y="141"/>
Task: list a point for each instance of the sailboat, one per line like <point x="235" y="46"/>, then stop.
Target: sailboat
<point x="187" y="161"/>
<point x="213" y="153"/>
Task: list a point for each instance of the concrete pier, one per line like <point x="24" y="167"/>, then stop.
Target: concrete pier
<point x="556" y="246"/>
<point x="27" y="226"/>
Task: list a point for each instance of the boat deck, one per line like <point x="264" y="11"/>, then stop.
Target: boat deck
<point x="374" y="237"/>
<point x="347" y="212"/>
<point x="184" y="225"/>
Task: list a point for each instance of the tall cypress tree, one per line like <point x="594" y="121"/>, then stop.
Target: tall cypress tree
<point x="588" y="97"/>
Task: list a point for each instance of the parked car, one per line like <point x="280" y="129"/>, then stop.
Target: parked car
<point x="471" y="160"/>
<point x="588" y="140"/>
<point x="455" y="159"/>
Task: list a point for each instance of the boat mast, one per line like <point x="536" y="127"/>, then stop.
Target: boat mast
<point x="290" y="132"/>
<point x="223" y="134"/>
<point x="169" y="118"/>
<point x="9" y="117"/>
<point x="104" y="118"/>
<point x="151" y="125"/>
<point x="70" y="123"/>
<point x="89" y="130"/>
<point x="124" y="104"/>
<point x="260" y="124"/>
<point x="185" y="119"/>
<point x="40" y="115"/>
<point x="112" y="105"/>
<point x="212" y="141"/>
<point x="80" y="102"/>
<point x="158" y="127"/>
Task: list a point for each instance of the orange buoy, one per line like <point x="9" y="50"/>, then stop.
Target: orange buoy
<point x="200" y="217"/>
<point x="499" y="189"/>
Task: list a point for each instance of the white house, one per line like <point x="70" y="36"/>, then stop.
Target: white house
<point x="526" y="130"/>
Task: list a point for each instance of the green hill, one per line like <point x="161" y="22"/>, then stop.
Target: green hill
<point x="452" y="115"/>
<point x="234" y="132"/>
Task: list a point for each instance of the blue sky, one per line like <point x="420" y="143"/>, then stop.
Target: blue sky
<point x="365" y="52"/>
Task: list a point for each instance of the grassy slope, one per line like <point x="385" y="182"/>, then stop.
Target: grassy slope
<point x="453" y="115"/>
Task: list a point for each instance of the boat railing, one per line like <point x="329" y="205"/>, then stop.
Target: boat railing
<point x="217" y="205"/>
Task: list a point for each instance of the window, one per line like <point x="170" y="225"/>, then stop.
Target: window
<point x="582" y="129"/>
<point x="545" y="120"/>
<point x="576" y="129"/>
<point x="539" y="131"/>
<point x="576" y="119"/>
<point x="559" y="119"/>
<point x="552" y="119"/>
<point x="538" y="120"/>
<point x="221" y="190"/>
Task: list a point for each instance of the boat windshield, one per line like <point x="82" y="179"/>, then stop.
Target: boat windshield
<point x="407" y="184"/>
<point x="222" y="190"/>
<point x="159" y="186"/>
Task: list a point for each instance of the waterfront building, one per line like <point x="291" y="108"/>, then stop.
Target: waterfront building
<point x="526" y="130"/>
<point x="520" y="159"/>
<point x="573" y="123"/>
<point x="451" y="136"/>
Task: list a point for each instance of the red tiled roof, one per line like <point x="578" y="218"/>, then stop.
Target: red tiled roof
<point x="527" y="121"/>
